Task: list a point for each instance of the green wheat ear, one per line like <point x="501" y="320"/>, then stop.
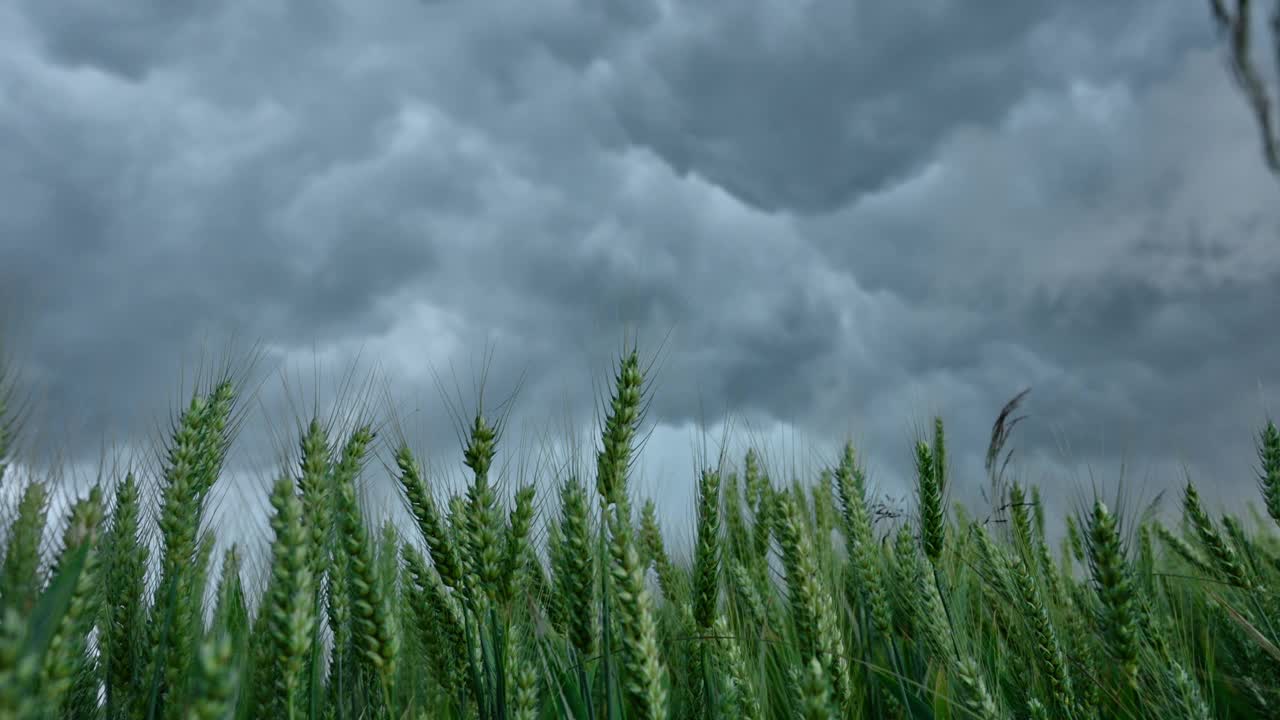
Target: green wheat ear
<point x="522" y="678"/>
<point x="706" y="583"/>
<point x="70" y="639"/>
<point x="641" y="667"/>
<point x="483" y="523"/>
<point x="314" y="467"/>
<point x="290" y="604"/>
<point x="641" y="671"/>
<point x="739" y="695"/>
<point x="614" y="460"/>
<point x="655" y="550"/>
<point x="816" y="698"/>
<point x="1074" y="541"/>
<point x="430" y="521"/>
<point x="195" y="454"/>
<point x="1221" y="553"/>
<point x="812" y="609"/>
<point x="438" y="621"/>
<point x="123" y="636"/>
<point x="575" y="567"/>
<point x="977" y="700"/>
<point x="707" y="554"/>
<point x="515" y="562"/>
<point x="865" y="584"/>
<point x="18" y="668"/>
<point x="20" y="578"/>
<point x="375" y="642"/>
<point x="1269" y="470"/>
<point x="932" y="518"/>
<point x="1114" y="585"/>
<point x="1049" y="655"/>
<point x="216" y="679"/>
<point x="231" y="612"/>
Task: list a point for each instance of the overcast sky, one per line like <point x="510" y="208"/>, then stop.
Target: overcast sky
<point x="831" y="217"/>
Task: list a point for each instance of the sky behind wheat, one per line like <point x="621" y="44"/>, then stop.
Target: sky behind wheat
<point x="826" y="218"/>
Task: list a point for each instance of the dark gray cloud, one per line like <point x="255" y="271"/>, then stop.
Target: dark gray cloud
<point x="849" y="216"/>
<point x="127" y="41"/>
<point x="808" y="107"/>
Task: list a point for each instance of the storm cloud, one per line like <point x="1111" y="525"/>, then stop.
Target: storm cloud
<point x="841" y="218"/>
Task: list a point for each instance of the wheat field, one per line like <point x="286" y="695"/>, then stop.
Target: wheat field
<point x="564" y="600"/>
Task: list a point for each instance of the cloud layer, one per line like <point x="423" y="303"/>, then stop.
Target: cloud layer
<point x="841" y="217"/>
